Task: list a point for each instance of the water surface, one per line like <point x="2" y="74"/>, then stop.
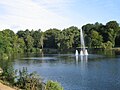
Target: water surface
<point x="95" y="72"/>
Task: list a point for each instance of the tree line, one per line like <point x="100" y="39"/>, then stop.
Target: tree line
<point x="96" y="36"/>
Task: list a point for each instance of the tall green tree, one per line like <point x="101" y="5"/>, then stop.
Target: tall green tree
<point x="28" y="39"/>
<point x="52" y="37"/>
<point x="38" y="39"/>
<point x="71" y="37"/>
<point x="8" y="36"/>
<point x="96" y="39"/>
<point x="112" y="29"/>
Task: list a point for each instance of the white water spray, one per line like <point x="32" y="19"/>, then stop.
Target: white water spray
<point x="76" y="53"/>
<point x="83" y="50"/>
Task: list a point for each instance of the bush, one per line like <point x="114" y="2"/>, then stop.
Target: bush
<point x="4" y="56"/>
<point x="30" y="81"/>
<point x="51" y="85"/>
<point x="107" y="45"/>
<point x="8" y="73"/>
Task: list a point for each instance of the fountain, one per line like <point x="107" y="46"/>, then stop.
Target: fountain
<point x="83" y="49"/>
<point x="76" y="53"/>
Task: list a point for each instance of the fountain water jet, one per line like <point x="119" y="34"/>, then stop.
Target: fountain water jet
<point x="83" y="50"/>
<point x="76" y="53"/>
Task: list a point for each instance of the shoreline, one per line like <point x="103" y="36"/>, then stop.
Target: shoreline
<point x="6" y="87"/>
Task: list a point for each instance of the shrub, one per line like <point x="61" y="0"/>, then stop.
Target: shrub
<point x="9" y="74"/>
<point x="107" y="45"/>
<point x="51" y="85"/>
<point x="4" y="56"/>
<point x="30" y="81"/>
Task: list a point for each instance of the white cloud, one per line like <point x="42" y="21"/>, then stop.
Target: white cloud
<point x="57" y="6"/>
<point x="25" y="14"/>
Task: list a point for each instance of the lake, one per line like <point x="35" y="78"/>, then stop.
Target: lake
<point x="92" y="72"/>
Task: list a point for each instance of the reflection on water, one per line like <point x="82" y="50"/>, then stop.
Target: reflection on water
<point x="84" y="58"/>
<point x="92" y="72"/>
<point x="83" y="64"/>
<point x="76" y="57"/>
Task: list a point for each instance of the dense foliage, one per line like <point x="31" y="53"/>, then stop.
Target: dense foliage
<point x="102" y="36"/>
<point x="50" y="85"/>
<point x="96" y="36"/>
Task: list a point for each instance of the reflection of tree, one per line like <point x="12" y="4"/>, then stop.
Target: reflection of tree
<point x="109" y="53"/>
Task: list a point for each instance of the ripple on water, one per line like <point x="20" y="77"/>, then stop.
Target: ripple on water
<point x="40" y="58"/>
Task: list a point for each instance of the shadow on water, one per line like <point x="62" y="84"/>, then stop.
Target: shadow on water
<point x="108" y="53"/>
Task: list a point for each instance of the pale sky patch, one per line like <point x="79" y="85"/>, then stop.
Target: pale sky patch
<point x="46" y="14"/>
<point x="29" y="15"/>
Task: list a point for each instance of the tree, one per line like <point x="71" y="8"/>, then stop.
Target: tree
<point x="112" y="29"/>
<point x="52" y="38"/>
<point x="70" y="38"/>
<point x="87" y="29"/>
<point x="7" y="41"/>
<point x="96" y="39"/>
<point x="29" y="43"/>
<point x="107" y="45"/>
<point x="38" y="39"/>
<point x="20" y="45"/>
<point x="28" y="39"/>
<point x="117" y="40"/>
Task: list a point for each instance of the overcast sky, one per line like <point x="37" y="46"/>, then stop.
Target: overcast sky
<point x="45" y="14"/>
